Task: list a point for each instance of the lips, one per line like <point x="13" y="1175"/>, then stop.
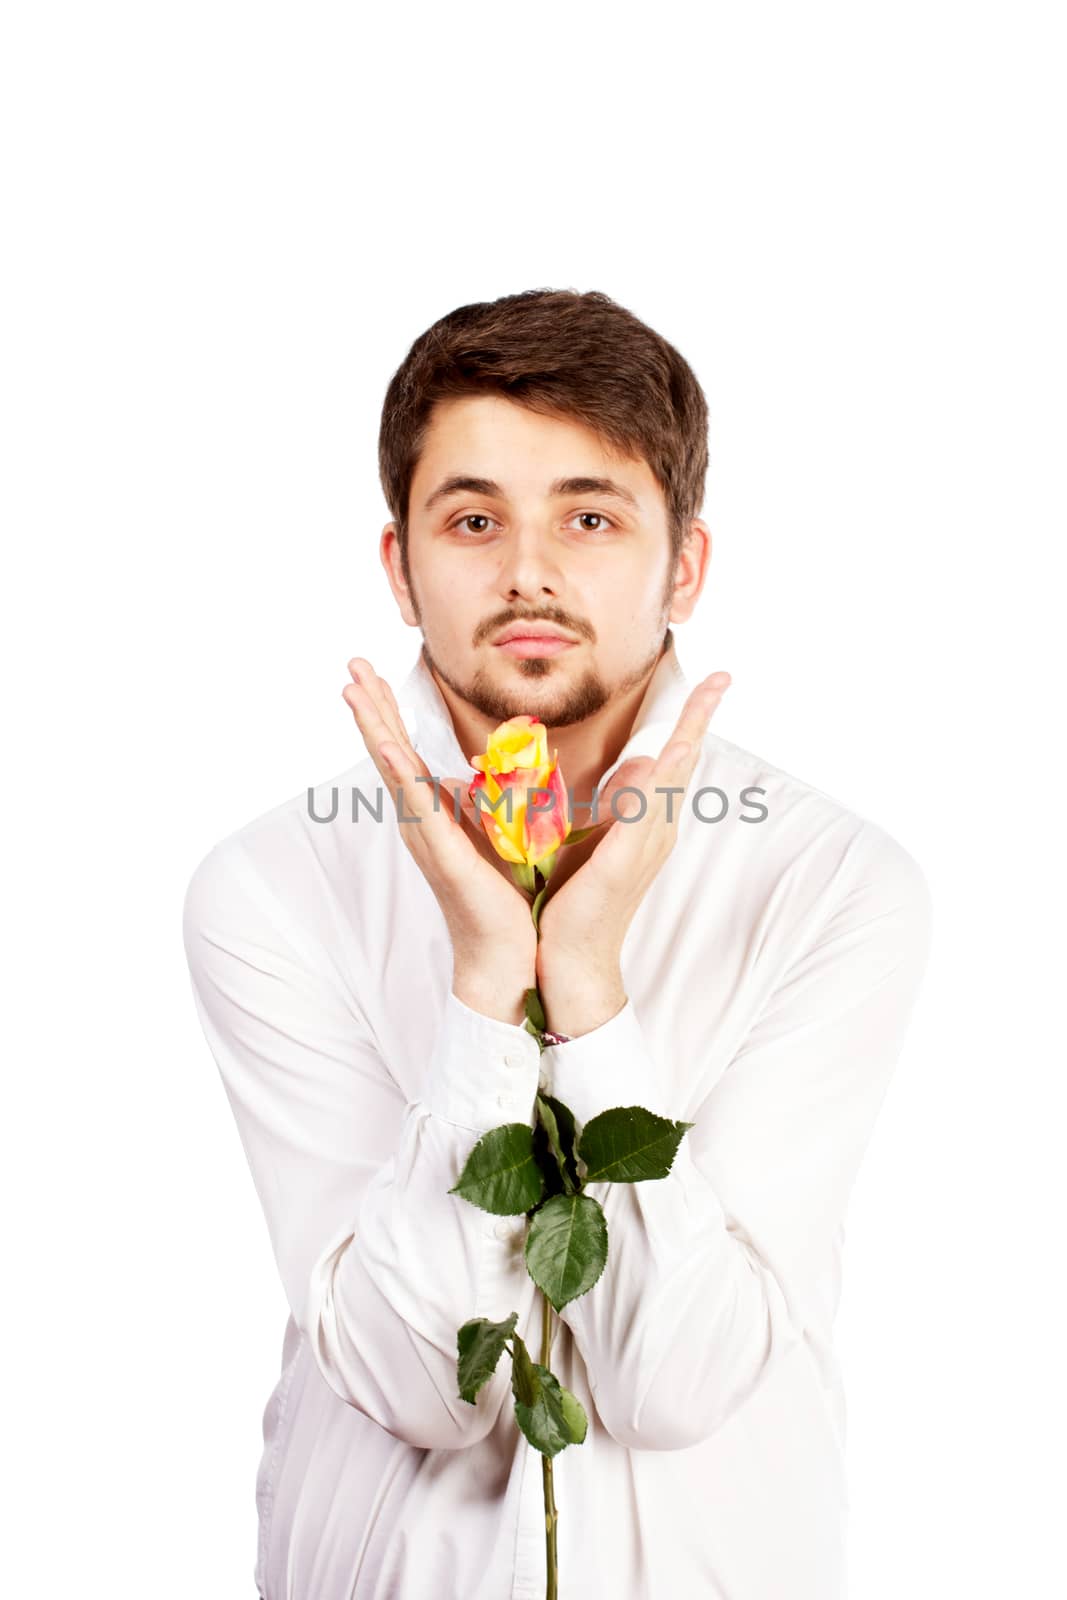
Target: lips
<point x="539" y="644"/>
<point x="532" y="630"/>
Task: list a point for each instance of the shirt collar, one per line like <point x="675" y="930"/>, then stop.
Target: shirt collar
<point x="435" y="739"/>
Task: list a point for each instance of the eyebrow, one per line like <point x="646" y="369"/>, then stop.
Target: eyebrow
<point x="460" y="484"/>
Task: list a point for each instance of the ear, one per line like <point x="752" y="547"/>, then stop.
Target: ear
<point x="693" y="561"/>
<point x="389" y="552"/>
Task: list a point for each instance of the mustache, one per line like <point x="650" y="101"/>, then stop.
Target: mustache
<point x="554" y="618"/>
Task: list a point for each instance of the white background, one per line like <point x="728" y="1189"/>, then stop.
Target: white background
<point x="225" y="225"/>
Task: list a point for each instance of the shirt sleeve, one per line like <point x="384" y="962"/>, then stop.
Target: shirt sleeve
<point x="712" y="1271"/>
<point x="380" y="1264"/>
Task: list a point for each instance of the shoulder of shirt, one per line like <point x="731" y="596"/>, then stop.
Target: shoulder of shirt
<point x="256" y="850"/>
<point x="877" y="858"/>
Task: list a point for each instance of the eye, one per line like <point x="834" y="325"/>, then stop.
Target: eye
<point x="470" y="516"/>
<point x="600" y="517"/>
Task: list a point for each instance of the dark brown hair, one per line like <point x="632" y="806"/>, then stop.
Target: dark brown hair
<point x="561" y="353"/>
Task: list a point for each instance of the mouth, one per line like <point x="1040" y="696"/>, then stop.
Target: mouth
<point x="535" y="645"/>
<point x="532" y="639"/>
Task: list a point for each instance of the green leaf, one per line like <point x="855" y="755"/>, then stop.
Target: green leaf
<point x="547" y="1120"/>
<point x="547" y="1162"/>
<point x="480" y="1343"/>
<point x="551" y="1423"/>
<point x="629" y="1144"/>
<point x="501" y="1174"/>
<point x="567" y="1246"/>
<point x="535" y="1011"/>
<point x="528" y="1025"/>
<point x="565" y="1125"/>
<point x="574" y="1418"/>
<point x="535" y="909"/>
<point x="525" y="1382"/>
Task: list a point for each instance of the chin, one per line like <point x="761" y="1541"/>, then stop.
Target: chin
<point x="534" y="666"/>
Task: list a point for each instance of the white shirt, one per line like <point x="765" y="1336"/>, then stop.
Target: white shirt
<point x="770" y="972"/>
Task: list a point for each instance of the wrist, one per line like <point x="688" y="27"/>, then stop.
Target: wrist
<point x="497" y="989"/>
<point x="566" y="971"/>
<point x="581" y="999"/>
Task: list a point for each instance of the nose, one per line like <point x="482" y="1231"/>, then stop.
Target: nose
<point x="529" y="568"/>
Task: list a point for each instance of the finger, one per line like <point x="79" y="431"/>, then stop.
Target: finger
<point x="446" y="790"/>
<point x="636" y="772"/>
<point x="679" y="755"/>
<point x="371" y="724"/>
<point x="401" y="765"/>
<point x="379" y="691"/>
<point x="450" y="787"/>
<point x="393" y="756"/>
<point x="402" y="770"/>
<point x="396" y="718"/>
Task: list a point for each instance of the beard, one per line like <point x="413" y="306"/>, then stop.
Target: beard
<point x="558" y="706"/>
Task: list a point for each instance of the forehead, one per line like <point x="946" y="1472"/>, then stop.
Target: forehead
<point x="490" y="437"/>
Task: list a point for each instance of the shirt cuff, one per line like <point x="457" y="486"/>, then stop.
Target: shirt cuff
<point x="483" y="1072"/>
<point x="609" y="1066"/>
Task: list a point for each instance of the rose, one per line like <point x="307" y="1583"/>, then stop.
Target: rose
<point x="525" y="828"/>
<point x="542" y="1172"/>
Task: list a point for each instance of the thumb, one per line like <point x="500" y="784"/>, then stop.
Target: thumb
<point x="450" y="787"/>
<point x="633" y="773"/>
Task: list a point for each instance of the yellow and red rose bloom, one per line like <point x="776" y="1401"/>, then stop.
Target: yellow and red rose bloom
<point x="516" y="759"/>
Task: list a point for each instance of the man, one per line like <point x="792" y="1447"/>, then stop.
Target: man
<point x="742" y="953"/>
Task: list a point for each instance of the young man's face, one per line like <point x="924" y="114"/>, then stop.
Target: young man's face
<point x="523" y="546"/>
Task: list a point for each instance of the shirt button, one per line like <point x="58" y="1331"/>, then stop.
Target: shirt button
<point x="503" y="1099"/>
<point x="504" y="1229"/>
<point x="511" y="1059"/>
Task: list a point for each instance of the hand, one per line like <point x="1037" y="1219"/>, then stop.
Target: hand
<point x="494" y="940"/>
<point x="584" y="923"/>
